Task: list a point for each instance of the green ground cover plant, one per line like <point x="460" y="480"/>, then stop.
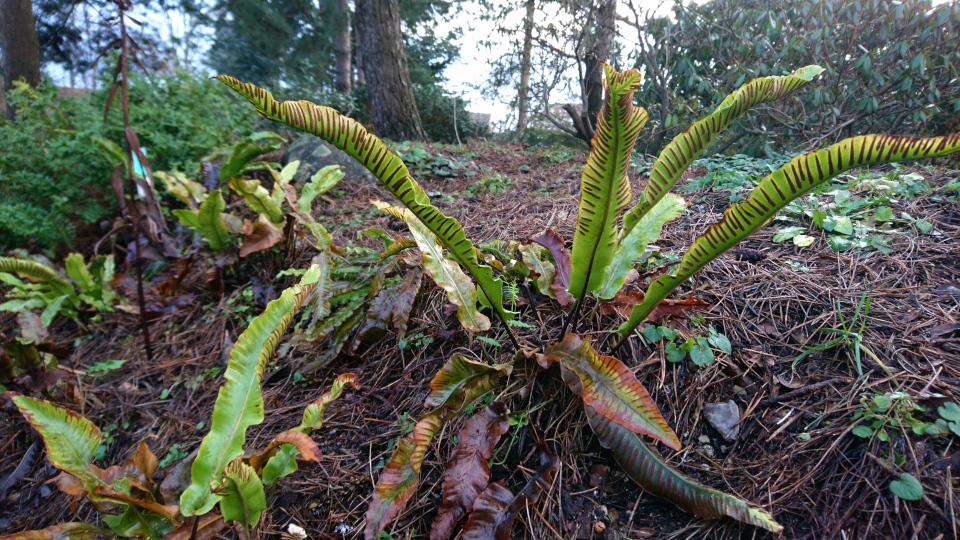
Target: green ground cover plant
<point x="226" y="484"/>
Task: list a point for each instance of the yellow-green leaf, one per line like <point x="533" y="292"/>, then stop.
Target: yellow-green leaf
<point x="285" y="462"/>
<point x="71" y="439"/>
<point x="445" y="272"/>
<point x="208" y="221"/>
<point x="239" y="404"/>
<point x="243" y="497"/>
<point x="686" y="147"/>
<point x="459" y="377"/>
<point x="349" y="136"/>
<point x="635" y="243"/>
<point x="321" y="182"/>
<point x="605" y="188"/>
<point x="793" y="180"/>
<point x="257" y="197"/>
<point x="40" y="272"/>
<point x="532" y="257"/>
<point x="78" y="271"/>
<point x="189" y="192"/>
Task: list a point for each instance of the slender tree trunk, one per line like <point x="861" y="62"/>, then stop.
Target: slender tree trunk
<point x="341" y="48"/>
<point x="523" y="104"/>
<point x="21" y="50"/>
<point x="599" y="42"/>
<point x="395" y="114"/>
<point x="361" y="78"/>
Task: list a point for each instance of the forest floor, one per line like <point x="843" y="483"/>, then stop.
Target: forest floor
<point x="796" y="454"/>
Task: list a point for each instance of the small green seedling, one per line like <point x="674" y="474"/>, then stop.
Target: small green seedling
<point x="886" y="413"/>
<point x="846" y="336"/>
<point x="907" y="488"/>
<point x="699" y="349"/>
<point x="101" y="369"/>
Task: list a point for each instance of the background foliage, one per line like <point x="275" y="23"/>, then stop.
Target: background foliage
<point x="891" y="67"/>
<point x="55" y="178"/>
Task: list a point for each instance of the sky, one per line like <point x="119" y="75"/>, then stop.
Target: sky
<point x="470" y="71"/>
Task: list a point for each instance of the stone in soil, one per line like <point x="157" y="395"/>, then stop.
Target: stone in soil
<point x="315" y="153"/>
<point x="723" y="417"/>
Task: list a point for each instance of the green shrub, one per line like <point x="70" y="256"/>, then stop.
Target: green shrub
<point x="550" y="137"/>
<point x="53" y="176"/>
<point x="436" y="114"/>
<point x="179" y="119"/>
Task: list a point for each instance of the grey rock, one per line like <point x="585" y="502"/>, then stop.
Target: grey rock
<point x="723" y="417"/>
<point x="704" y="439"/>
<point x="314" y="154"/>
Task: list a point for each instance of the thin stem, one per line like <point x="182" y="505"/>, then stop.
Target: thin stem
<point x="134" y="215"/>
<point x="573" y="314"/>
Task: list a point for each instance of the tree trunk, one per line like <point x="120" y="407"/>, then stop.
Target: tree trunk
<point x="599" y="42"/>
<point x="21" y="50"/>
<point x="341" y="48"/>
<point x="523" y="104"/>
<point x="392" y="103"/>
<point x="361" y="79"/>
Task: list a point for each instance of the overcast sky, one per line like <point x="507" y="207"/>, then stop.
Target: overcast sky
<point x="472" y="69"/>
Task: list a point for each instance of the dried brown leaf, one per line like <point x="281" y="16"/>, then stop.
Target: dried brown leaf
<point x="210" y="526"/>
<point x="496" y="508"/>
<point x="624" y="301"/>
<point x="403" y="303"/>
<point x="467" y="471"/>
<point x="169" y="511"/>
<point x="66" y="531"/>
<point x="259" y="236"/>
<point x="561" y="260"/>
<point x="304" y="444"/>
<point x="176" y="479"/>
<point x="146" y="461"/>
<point x="398" y="482"/>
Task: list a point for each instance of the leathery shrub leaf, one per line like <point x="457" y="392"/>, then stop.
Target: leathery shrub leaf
<point x="239" y="404"/>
